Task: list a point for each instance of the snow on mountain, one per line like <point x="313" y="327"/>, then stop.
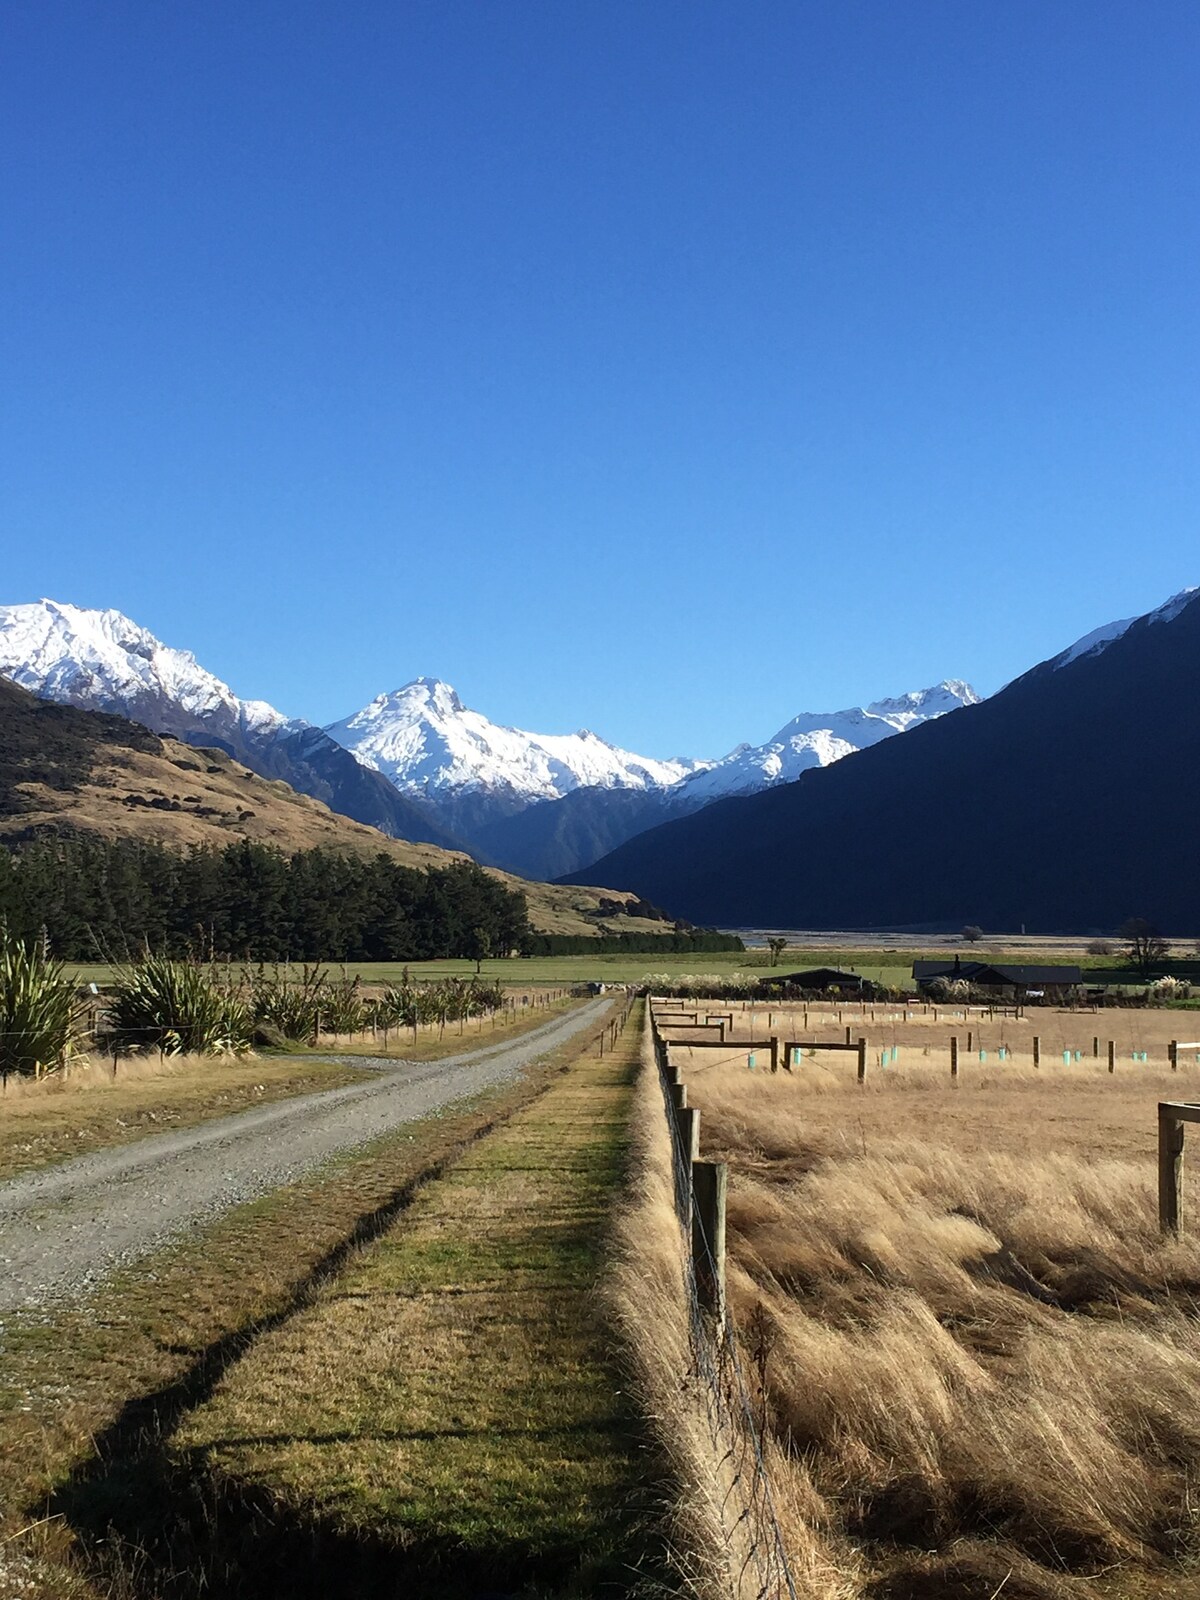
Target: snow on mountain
<point x="1171" y="608"/>
<point x="1100" y="638"/>
<point x="1092" y="643"/>
<point x="103" y="661"/>
<point x="430" y="744"/>
<point x="818" y="738"/>
<point x="434" y="768"/>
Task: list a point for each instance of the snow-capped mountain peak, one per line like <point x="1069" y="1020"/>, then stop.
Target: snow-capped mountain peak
<point x="104" y="661"/>
<point x="423" y="697"/>
<point x="421" y="737"/>
<point x="818" y="738"/>
<point x="906" y="710"/>
<point x="428" y="743"/>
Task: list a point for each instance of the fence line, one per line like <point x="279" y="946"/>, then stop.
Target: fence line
<point x="748" y="1509"/>
<point x="99" y="1027"/>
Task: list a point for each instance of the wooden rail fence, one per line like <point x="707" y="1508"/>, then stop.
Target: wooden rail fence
<point x="709" y="1180"/>
<point x="1173" y="1116"/>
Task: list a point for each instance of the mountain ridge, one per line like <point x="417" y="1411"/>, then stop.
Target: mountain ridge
<point x="1038" y="806"/>
<point x="417" y="762"/>
<point x="424" y="738"/>
<point x="545" y="804"/>
<point x="819" y="738"/>
<point x="68" y="771"/>
<point x="104" y="661"/>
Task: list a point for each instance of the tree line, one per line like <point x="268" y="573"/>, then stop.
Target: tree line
<point x="96" y="900"/>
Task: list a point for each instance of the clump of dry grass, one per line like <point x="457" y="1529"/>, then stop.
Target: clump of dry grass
<point x="88" y="1072"/>
<point x="645" y="1291"/>
<point x="976" y="1354"/>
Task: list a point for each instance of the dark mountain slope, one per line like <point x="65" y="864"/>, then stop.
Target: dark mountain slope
<point x="557" y="836"/>
<point x="1067" y="801"/>
<point x="314" y="764"/>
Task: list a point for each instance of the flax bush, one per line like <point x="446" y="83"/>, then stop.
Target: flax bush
<point x="306" y="1005"/>
<point x="176" y="1008"/>
<point x="411" y="1005"/>
<point x="40" y="1018"/>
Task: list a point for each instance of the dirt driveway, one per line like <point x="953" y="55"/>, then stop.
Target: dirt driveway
<point x="64" y="1228"/>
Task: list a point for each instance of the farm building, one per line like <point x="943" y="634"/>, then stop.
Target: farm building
<point x="820" y="980"/>
<point x="1011" y="982"/>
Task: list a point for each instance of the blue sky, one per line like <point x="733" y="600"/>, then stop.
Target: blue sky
<point x="664" y="368"/>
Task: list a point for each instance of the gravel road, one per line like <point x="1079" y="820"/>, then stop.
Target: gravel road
<point x="63" y="1229"/>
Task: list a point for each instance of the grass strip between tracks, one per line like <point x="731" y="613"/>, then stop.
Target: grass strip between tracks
<point x="447" y="1409"/>
<point x="85" y="1391"/>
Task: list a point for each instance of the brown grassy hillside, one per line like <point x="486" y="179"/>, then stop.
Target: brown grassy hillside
<point x="63" y="770"/>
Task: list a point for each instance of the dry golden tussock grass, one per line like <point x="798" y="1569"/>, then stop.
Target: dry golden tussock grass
<point x="921" y="1037"/>
<point x="647" y="1298"/>
<point x="645" y="1293"/>
<point x="980" y="1364"/>
<point x="89" y="1072"/>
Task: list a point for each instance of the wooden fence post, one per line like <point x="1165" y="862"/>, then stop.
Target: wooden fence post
<point x="774" y="1053"/>
<point x="862" y="1060"/>
<point x="1037" y="1051"/>
<point x="954" y="1055"/>
<point x="689" y="1133"/>
<point x="1173" y="1054"/>
<point x="1170" y="1169"/>
<point x="1112" y="1055"/>
<point x="709" y="1189"/>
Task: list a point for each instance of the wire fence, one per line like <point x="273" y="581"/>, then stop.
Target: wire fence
<point x="97" y="1033"/>
<point x="757" y="1552"/>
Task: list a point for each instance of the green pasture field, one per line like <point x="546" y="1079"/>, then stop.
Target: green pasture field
<point x="881" y="966"/>
<point x="892" y="968"/>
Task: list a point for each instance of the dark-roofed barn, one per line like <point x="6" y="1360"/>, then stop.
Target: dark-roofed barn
<point x="820" y="980"/>
<point x="1014" y="982"/>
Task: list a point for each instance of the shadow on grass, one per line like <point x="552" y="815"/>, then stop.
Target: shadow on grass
<point x="156" y="1526"/>
<point x="154" y="1523"/>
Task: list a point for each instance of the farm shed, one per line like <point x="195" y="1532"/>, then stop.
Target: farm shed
<point x="1012" y="982"/>
<point x="820" y="980"/>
